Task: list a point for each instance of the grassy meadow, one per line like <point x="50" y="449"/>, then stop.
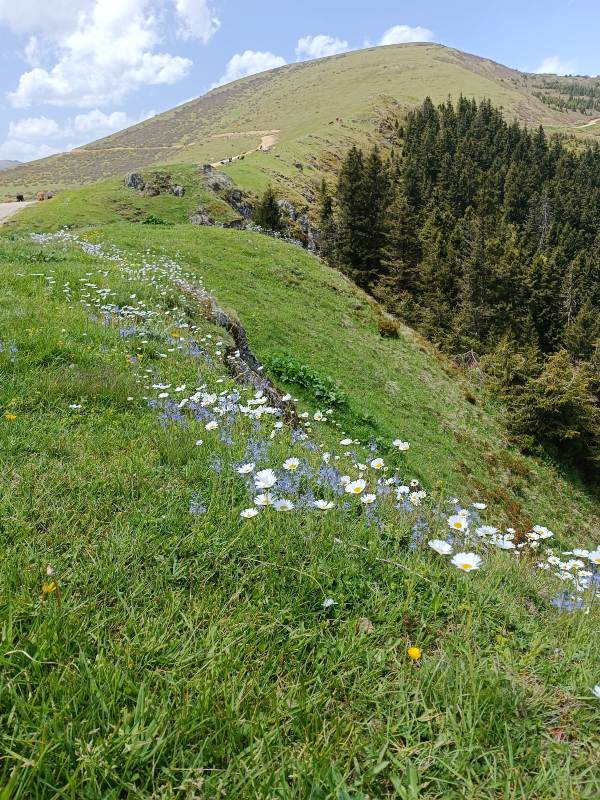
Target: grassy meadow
<point x="156" y="644"/>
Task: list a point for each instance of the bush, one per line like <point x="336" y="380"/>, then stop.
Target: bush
<point x="322" y="388"/>
<point x="388" y="327"/>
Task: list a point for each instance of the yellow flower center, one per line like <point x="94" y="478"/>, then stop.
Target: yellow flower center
<point x="467" y="566"/>
<point x="458" y="525"/>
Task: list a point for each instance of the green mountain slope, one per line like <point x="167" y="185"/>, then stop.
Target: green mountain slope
<point x="308" y="113"/>
<point x="175" y="650"/>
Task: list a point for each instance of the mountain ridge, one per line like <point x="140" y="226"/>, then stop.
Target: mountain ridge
<point x="319" y="106"/>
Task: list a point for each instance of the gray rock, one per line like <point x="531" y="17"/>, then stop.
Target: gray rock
<point x="201" y="217"/>
<point x="135" y="181"/>
<point x="288" y="208"/>
<point x="236" y="224"/>
<point x="151" y="191"/>
<point x="243" y="208"/>
<point x="178" y="191"/>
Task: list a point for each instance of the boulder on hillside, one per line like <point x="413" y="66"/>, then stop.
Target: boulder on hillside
<point x="135" y="181"/>
<point x="201" y="217"/>
<point x="151" y="190"/>
<point x="288" y="208"/>
<point x="178" y="191"/>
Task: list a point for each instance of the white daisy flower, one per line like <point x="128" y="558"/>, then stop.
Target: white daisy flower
<point x="248" y="513"/>
<point x="323" y="505"/>
<point x="466" y="561"/>
<point x="329" y="602"/>
<point x="368" y="499"/>
<point x="377" y="463"/>
<point x="356" y="487"/>
<point x="211" y="426"/>
<point x="441" y="547"/>
<point x="263" y="500"/>
<point x="246" y="469"/>
<point x="479" y="506"/>
<point x="283" y="505"/>
<point x="400" y="445"/>
<point x="265" y="479"/>
<point x="291" y="464"/>
<point x="458" y="523"/>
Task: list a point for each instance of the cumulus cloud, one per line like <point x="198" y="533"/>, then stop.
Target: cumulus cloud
<point x="553" y="65"/>
<point x="54" y="18"/>
<point x="319" y="46"/>
<point x="36" y="137"/>
<point x="33" y="128"/>
<point x="100" y="50"/>
<point x="196" y="20"/>
<point x="16" y="150"/>
<point x="248" y="63"/>
<point x="403" y="34"/>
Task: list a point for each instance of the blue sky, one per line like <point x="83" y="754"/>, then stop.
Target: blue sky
<point x="72" y="71"/>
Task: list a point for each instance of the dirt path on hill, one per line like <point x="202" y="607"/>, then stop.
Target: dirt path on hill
<point x="268" y="139"/>
<point x="588" y="124"/>
<point x="8" y="210"/>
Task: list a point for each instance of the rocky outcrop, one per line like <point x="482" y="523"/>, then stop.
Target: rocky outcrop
<point x="201" y="217"/>
<point x="301" y="226"/>
<point x="241" y="362"/>
<point x="135" y="181"/>
<point x="178" y="191"/>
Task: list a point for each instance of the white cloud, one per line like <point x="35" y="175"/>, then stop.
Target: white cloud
<point x="553" y="65"/>
<point x="197" y="19"/>
<point x="50" y="18"/>
<point x="33" y="128"/>
<point x="248" y="63"/>
<point x="36" y="137"/>
<point x="14" y="150"/>
<point x="319" y="46"/>
<point x="403" y="34"/>
<point x="101" y="50"/>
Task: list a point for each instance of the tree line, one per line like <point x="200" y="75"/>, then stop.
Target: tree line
<point x="485" y="236"/>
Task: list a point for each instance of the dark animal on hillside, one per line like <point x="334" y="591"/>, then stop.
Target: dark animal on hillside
<point x="20" y="198"/>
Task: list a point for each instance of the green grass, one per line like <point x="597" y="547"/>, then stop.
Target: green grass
<point x="319" y="107"/>
<point x="189" y="656"/>
<point x="111" y="201"/>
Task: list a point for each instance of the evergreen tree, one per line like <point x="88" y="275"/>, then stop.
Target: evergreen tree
<point x="267" y="213"/>
<point x="327" y="228"/>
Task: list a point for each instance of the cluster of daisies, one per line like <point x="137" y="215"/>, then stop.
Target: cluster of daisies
<point x="467" y="538"/>
<point x="463" y="536"/>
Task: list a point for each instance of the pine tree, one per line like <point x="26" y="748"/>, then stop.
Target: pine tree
<point x="362" y="202"/>
<point x="267" y="213"/>
<point x="327" y="229"/>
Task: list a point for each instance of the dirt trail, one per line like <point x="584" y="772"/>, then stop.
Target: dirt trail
<point x="588" y="124"/>
<point x="268" y="139"/>
<point x="8" y="210"/>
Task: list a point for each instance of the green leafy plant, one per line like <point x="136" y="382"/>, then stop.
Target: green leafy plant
<point x="322" y="388"/>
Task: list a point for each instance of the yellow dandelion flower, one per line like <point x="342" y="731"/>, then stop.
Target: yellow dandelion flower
<point x="8" y="415"/>
<point x="49" y="586"/>
<point x="414" y="653"/>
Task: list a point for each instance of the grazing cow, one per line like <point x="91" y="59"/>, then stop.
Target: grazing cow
<point x="20" y="198"/>
<point x="40" y="196"/>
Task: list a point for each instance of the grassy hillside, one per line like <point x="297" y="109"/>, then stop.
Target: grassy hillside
<point x="111" y="201"/>
<point x="312" y="109"/>
<point x="175" y="650"/>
